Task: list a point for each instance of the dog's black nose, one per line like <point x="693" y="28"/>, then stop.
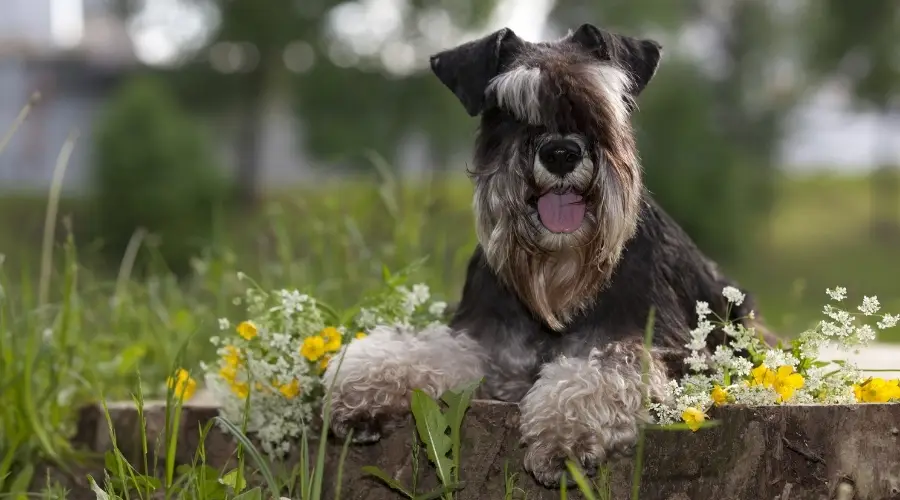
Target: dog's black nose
<point x="560" y="156"/>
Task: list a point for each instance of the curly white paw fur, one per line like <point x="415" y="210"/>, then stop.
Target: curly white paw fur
<point x="373" y="383"/>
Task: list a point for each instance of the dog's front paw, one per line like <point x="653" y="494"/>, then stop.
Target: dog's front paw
<point x="367" y="425"/>
<point x="546" y="457"/>
<point x="580" y="412"/>
<point x="369" y="406"/>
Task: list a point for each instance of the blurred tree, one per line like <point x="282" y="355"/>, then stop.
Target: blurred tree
<point x="285" y="52"/>
<point x="859" y="42"/>
<point x="154" y="170"/>
<point x="710" y="124"/>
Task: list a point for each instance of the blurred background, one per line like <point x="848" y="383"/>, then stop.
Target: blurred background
<point x="305" y="142"/>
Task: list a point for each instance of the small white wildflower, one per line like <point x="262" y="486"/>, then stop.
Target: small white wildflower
<point x="703" y="309"/>
<point x="733" y="295"/>
<point x="865" y="334"/>
<point x="236" y="301"/>
<point x="47" y="334"/>
<point x="869" y="306"/>
<point x="888" y="321"/>
<point x="838" y="294"/>
<point x="751" y="314"/>
<point x="437" y="308"/>
<point x="421" y="293"/>
<point x="241" y="276"/>
<point x="776" y="357"/>
<point x="696" y="361"/>
<point x="224" y="324"/>
<point x="741" y="366"/>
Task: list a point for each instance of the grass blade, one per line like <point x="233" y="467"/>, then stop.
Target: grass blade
<point x="254" y="453"/>
<point x="380" y="474"/>
<point x="580" y="480"/>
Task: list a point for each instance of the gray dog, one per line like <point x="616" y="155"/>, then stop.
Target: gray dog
<point x="573" y="253"/>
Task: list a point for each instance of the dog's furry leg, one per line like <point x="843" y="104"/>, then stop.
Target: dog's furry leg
<point x="587" y="409"/>
<point x="373" y="384"/>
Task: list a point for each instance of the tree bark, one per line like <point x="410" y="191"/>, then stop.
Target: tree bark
<point x="251" y="118"/>
<point x="774" y="452"/>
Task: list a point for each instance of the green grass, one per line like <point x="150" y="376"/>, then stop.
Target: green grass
<point x="99" y="326"/>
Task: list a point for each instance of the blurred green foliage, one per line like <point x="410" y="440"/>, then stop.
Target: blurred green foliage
<point x="154" y="170"/>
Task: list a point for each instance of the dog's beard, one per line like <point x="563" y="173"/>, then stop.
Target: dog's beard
<point x="555" y="272"/>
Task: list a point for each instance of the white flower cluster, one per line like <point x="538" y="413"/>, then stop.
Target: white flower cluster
<point x="401" y="306"/>
<point x="280" y="350"/>
<point x="263" y="362"/>
<point x="748" y="371"/>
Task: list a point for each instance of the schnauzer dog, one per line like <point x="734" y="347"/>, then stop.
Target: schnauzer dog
<point x="573" y="253"/>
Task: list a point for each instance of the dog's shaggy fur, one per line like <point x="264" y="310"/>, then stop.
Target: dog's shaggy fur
<point x="551" y="316"/>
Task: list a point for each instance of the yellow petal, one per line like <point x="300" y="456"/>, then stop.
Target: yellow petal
<point x="247" y="330"/>
<point x="795" y="381"/>
<point x="693" y="418"/>
<point x="719" y="396"/>
<point x="313" y="348"/>
<point x="785" y="370"/>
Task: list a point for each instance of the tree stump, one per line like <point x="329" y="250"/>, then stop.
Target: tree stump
<point x="756" y="453"/>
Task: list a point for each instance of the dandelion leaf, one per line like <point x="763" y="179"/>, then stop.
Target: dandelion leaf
<point x="432" y="426"/>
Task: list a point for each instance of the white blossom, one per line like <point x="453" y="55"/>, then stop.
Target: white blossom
<point x="733" y="295"/>
<point x="823" y="383"/>
<point x="869" y="306"/>
<point x="888" y="321"/>
<point x="838" y="294"/>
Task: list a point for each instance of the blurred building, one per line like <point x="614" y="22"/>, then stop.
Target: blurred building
<point x="72" y="52"/>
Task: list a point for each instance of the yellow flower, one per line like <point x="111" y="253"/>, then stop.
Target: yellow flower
<point x="693" y="417"/>
<point x="361" y="335"/>
<point x="247" y="330"/>
<point x="228" y="372"/>
<point x="719" y="396"/>
<point x="877" y="390"/>
<point x="313" y="348"/>
<point x="232" y="356"/>
<point x="241" y="389"/>
<point x="786" y="382"/>
<point x="332" y="338"/>
<point x="323" y="363"/>
<point x="182" y="384"/>
<point x="762" y="376"/>
<point x="291" y="390"/>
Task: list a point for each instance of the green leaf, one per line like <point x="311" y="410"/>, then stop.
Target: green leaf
<point x="388" y="480"/>
<point x="22" y="481"/>
<point x="254" y="494"/>
<point x="440" y="491"/>
<point x="101" y="495"/>
<point x="254" y="453"/>
<point x="457" y="405"/>
<point x="432" y="426"/>
<point x="235" y="480"/>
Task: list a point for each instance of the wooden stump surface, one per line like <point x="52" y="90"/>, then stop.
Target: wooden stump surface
<point x="759" y="453"/>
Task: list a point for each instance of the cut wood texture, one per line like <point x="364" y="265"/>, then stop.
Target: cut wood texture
<point x="759" y="453"/>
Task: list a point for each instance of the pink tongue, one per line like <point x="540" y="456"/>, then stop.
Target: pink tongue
<point x="561" y="213"/>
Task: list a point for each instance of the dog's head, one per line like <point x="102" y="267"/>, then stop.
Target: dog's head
<point x="558" y="181"/>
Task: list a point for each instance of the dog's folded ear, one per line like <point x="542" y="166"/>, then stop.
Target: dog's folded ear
<point x="640" y="57"/>
<point x="468" y="69"/>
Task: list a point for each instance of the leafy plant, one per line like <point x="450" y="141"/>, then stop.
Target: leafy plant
<point x="441" y="432"/>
